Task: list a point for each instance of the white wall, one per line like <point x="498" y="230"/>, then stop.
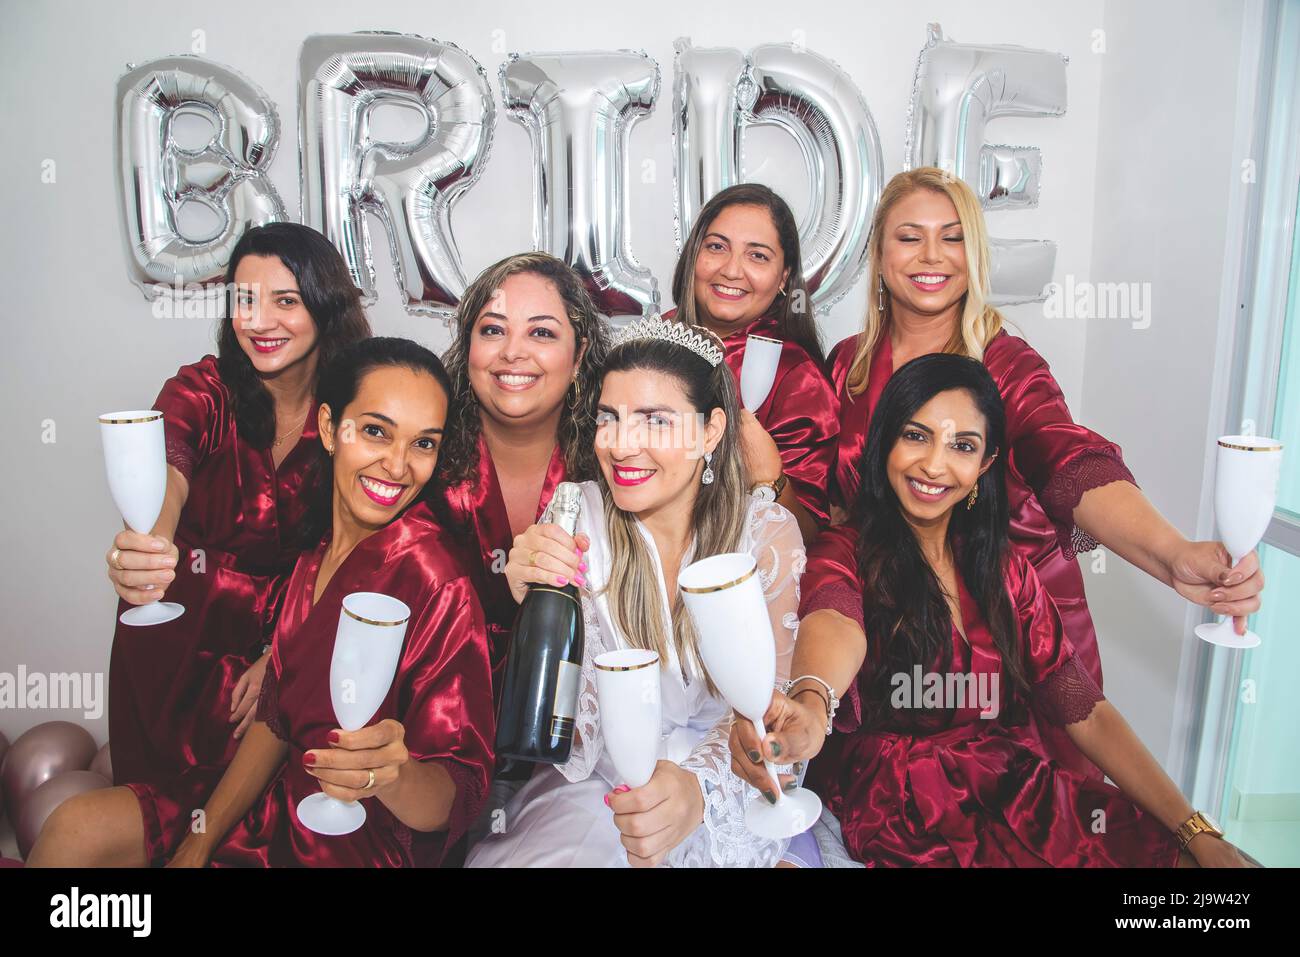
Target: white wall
<point x="1165" y="169"/>
<point x="82" y="339"/>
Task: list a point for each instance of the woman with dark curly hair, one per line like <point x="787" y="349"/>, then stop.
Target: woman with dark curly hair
<point x="523" y="367"/>
<point x="240" y="430"/>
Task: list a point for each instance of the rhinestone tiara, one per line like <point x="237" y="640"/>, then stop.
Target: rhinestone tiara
<point x="704" y="344"/>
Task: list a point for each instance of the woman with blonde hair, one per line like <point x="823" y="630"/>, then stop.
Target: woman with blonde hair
<point x="672" y="488"/>
<point x="1068" y="488"/>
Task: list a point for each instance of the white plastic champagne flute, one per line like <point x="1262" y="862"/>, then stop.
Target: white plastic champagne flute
<point x="758" y="370"/>
<point x="367" y="648"/>
<point x="627" y="693"/>
<point x="135" y="458"/>
<point x="725" y="601"/>
<point x="1245" y="494"/>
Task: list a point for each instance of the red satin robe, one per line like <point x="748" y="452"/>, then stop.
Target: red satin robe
<point x="441" y="695"/>
<point x="170" y="685"/>
<point x="478" y="509"/>
<point x="944" y="786"/>
<point x="1051" y="462"/>
<point x="801" y="413"/>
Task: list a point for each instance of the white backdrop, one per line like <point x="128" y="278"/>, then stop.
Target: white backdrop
<point x="81" y="339"/>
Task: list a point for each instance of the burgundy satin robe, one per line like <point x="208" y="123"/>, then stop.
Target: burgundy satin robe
<point x="477" y="508"/>
<point x="1051" y="462"/>
<point x="170" y="685"/>
<point x="441" y="695"/>
<point x="801" y="413"/>
<point x="948" y="787"/>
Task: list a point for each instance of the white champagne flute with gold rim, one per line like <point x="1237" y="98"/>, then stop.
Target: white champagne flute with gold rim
<point x="1245" y="494"/>
<point x="725" y="600"/>
<point x="135" y="458"/>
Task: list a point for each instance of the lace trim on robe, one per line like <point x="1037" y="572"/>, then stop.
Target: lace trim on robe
<point x="1067" y="695"/>
<point x="181" y="457"/>
<point x="464" y="811"/>
<point x="1066" y="488"/>
<point x="268" y="703"/>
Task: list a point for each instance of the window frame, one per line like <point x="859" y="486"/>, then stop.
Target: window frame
<point x="1251" y="329"/>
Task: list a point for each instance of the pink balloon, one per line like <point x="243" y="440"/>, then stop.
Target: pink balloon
<point x="103" y="763"/>
<point x="38" y="755"/>
<point x="41" y="803"/>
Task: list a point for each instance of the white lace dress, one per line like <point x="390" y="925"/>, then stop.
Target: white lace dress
<point x="559" y="818"/>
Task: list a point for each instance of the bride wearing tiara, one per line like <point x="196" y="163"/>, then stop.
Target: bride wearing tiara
<point x="672" y="489"/>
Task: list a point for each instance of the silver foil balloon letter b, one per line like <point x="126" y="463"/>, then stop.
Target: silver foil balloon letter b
<point x="157" y="177"/>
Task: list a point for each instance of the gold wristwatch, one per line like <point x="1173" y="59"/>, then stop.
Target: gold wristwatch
<point x="1198" y="823"/>
<point x="769" y="491"/>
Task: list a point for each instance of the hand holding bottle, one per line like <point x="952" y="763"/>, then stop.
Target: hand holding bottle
<point x="546" y="555"/>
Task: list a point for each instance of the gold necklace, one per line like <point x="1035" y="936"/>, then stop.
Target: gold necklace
<point x="303" y="422"/>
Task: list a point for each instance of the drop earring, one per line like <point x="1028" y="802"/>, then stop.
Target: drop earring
<point x="707" y="477"/>
<point x="970" y="500"/>
<point x="880" y="294"/>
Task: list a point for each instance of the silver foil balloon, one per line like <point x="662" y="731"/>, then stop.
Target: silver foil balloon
<point x="345" y="172"/>
<point x="157" y="177"/>
<point x="819" y="104"/>
<point x="708" y="83"/>
<point x="718" y="93"/>
<point x="40" y="753"/>
<point x="40" y="804"/>
<point x="958" y="89"/>
<point x="579" y="109"/>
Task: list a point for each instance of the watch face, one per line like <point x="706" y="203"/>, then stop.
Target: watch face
<point x="765" y="493"/>
<point x="1212" y="822"/>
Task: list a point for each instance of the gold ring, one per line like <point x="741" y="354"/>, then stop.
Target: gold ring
<point x="113" y="559"/>
<point x="371" y="782"/>
<point x="532" y="558"/>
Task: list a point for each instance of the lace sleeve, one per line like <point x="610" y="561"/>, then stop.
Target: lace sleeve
<point x="268" y="702"/>
<point x="1066" y="695"/>
<point x="777" y="545"/>
<point x="587" y="745"/>
<point x="722" y="840"/>
<point x="1064" y="490"/>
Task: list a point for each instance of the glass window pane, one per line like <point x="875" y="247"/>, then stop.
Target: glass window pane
<point x="1286" y="423"/>
<point x="1261" y="798"/>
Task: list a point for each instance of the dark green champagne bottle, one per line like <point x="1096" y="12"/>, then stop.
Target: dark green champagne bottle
<point x="539" y="699"/>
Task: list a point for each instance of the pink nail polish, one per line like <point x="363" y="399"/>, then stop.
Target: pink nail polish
<point x="582" y="567"/>
<point x="607" y="804"/>
<point x="580" y="580"/>
<point x="561" y="581"/>
<point x="622" y="789"/>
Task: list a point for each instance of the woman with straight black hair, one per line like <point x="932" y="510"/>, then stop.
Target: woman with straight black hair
<point x="740" y="274"/>
<point x="940" y="638"/>
<point x="422" y="762"/>
<point x="240" y="429"/>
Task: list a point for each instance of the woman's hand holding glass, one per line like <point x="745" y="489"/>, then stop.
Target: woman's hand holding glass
<point x="655" y="818"/>
<point x="344" y="768"/>
<point x="141" y="566"/>
<point x="796" y="731"/>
